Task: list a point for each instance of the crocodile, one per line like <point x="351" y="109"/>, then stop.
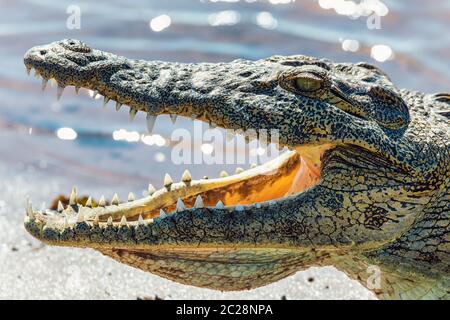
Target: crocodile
<point x="363" y="184"/>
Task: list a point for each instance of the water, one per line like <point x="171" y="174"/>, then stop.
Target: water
<point x="418" y="36"/>
<point x="417" y="33"/>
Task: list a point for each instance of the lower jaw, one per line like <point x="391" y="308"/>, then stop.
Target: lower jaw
<point x="290" y="173"/>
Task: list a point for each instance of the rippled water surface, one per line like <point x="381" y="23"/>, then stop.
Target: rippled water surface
<point x="412" y="46"/>
<point x="417" y="34"/>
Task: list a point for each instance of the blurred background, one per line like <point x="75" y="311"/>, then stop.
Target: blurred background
<point x="46" y="146"/>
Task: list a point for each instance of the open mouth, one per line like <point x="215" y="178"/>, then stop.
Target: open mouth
<point x="292" y="172"/>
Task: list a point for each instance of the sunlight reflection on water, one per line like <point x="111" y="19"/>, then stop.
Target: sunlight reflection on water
<point x="412" y="46"/>
<point x="66" y="134"/>
<point x="160" y="23"/>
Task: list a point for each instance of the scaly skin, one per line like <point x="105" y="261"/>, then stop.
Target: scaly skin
<point x="375" y="191"/>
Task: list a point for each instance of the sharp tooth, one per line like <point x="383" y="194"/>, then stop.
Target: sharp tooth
<point x="253" y="165"/>
<point x="60" y="206"/>
<point x="77" y="90"/>
<point x="102" y="201"/>
<point x="219" y="205"/>
<point x="186" y="177"/>
<point x="198" y="202"/>
<point x="123" y="221"/>
<point x="73" y="197"/>
<point x="94" y="94"/>
<point x="66" y="223"/>
<point x="96" y="220"/>
<point x="151" y="189"/>
<point x="59" y="91"/>
<point x="223" y="174"/>
<point x="89" y="202"/>
<point x="167" y="181"/>
<point x="131" y="197"/>
<point x="239" y="170"/>
<point x="80" y="217"/>
<point x="239" y="207"/>
<point x="115" y="200"/>
<point x="140" y="220"/>
<point x="110" y="221"/>
<point x="229" y="135"/>
<point x="30" y="211"/>
<point x="37" y="74"/>
<point x="28" y="69"/>
<point x="180" y="205"/>
<point x="151" y="120"/>
<point x="118" y="106"/>
<point x="133" y="113"/>
<point x="70" y="210"/>
<point x="162" y="214"/>
<point x="173" y="118"/>
<point x="105" y="101"/>
<point x="44" y="84"/>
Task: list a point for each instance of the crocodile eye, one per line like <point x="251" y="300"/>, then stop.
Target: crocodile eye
<point x="308" y="82"/>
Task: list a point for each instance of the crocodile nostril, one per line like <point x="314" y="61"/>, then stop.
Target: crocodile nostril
<point x="43" y="52"/>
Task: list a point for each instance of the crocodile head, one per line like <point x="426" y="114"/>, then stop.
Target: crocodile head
<point x="350" y="182"/>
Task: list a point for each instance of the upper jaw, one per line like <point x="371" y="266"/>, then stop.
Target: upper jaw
<point x="240" y="95"/>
